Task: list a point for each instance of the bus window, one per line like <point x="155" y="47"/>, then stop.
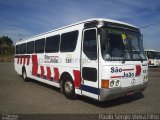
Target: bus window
<point x="158" y="55"/>
<point x="18" y="47"/>
<point x="23" y="48"/>
<point x="151" y="55"/>
<point x="39" y="46"/>
<point x="90" y="44"/>
<point x="116" y="45"/>
<point x="69" y="41"/>
<point x="52" y="44"/>
<point x="30" y="47"/>
<point x="122" y="44"/>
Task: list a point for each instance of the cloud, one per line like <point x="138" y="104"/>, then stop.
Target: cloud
<point x="15" y="33"/>
<point x="151" y="34"/>
<point x="37" y="16"/>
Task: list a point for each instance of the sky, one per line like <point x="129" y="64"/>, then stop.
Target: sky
<point x="20" y="19"/>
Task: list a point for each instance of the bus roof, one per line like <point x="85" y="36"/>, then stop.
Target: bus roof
<point x="149" y="50"/>
<point x="85" y="21"/>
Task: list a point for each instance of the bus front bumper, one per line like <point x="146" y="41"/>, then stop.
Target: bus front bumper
<point x="108" y="94"/>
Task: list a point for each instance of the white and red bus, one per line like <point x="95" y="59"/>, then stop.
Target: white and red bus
<point x="153" y="58"/>
<point x="158" y="57"/>
<point x="99" y="58"/>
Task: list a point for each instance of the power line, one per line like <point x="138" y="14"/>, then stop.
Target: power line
<point x="146" y="26"/>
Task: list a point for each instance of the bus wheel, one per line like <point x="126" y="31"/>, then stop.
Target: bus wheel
<point x="68" y="89"/>
<point x="24" y="75"/>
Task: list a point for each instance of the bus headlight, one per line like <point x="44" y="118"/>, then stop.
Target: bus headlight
<point x="117" y="83"/>
<point x="112" y="83"/>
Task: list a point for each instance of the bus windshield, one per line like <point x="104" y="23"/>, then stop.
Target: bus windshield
<point x="120" y="44"/>
<point x="151" y="55"/>
<point x="158" y="55"/>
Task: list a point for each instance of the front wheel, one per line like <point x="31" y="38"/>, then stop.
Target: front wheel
<point x="69" y="89"/>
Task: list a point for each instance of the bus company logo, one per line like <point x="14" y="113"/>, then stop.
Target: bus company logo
<point x="133" y="81"/>
<point x="69" y="58"/>
<point x="127" y="73"/>
<point x="116" y="70"/>
<point x="51" y="59"/>
<point x="145" y="71"/>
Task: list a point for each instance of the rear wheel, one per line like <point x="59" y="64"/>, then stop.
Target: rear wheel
<point x="24" y="75"/>
<point x="68" y="88"/>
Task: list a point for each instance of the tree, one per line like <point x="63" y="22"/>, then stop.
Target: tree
<point x="5" y="40"/>
<point x="6" y="46"/>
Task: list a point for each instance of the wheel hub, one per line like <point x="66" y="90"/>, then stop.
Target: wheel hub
<point x="68" y="87"/>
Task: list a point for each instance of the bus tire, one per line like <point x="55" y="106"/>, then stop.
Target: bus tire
<point x="24" y="75"/>
<point x="68" y="88"/>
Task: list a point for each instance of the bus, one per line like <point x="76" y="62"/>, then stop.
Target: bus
<point x="153" y="58"/>
<point x="158" y="57"/>
<point x="99" y="58"/>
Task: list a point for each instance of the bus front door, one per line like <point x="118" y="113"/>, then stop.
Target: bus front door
<point x="89" y="64"/>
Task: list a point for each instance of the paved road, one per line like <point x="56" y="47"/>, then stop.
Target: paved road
<point x="17" y="96"/>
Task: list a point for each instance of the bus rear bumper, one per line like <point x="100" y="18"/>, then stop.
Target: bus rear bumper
<point x="108" y="94"/>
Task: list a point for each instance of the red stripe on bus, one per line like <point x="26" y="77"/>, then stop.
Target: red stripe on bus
<point x="77" y="78"/>
<point x="20" y="59"/>
<point x="42" y="72"/>
<point x="34" y="65"/>
<point x="24" y="60"/>
<point x="48" y="73"/>
<point x="56" y="74"/>
<point x="28" y="59"/>
<point x="128" y="69"/>
<point x="138" y="70"/>
<point x="116" y="76"/>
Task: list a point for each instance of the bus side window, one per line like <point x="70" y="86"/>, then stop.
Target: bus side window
<point x="69" y="41"/>
<point x="23" y="48"/>
<point x="90" y="44"/>
<point x="30" y="47"/>
<point x="39" y="46"/>
<point x="52" y="44"/>
<point x="18" y="47"/>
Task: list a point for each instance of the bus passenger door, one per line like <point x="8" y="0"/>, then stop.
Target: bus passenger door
<point x="89" y="64"/>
